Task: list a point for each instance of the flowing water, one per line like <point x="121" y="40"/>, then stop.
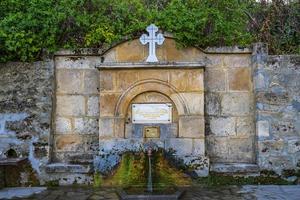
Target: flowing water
<point x="149" y="184"/>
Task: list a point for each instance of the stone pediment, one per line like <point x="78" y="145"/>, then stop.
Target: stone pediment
<point x="134" y="52"/>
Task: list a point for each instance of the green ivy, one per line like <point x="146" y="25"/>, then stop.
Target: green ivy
<point x="30" y="28"/>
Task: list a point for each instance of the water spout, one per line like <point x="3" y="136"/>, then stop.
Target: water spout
<point x="149" y="184"/>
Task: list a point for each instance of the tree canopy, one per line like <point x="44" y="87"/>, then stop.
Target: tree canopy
<point x="30" y="28"/>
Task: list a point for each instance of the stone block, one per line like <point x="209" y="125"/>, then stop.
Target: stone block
<point x="191" y="126"/>
<point x="106" y="127"/>
<point x="241" y="150"/>
<point x="215" y="80"/>
<point x="172" y="52"/>
<point x="294" y="146"/>
<point x="125" y="79"/>
<point x="237" y="104"/>
<point x="218" y="148"/>
<point x="107" y="80"/>
<point x="239" y="79"/>
<point x="93" y="106"/>
<point x="285" y="128"/>
<point x="91" y="81"/>
<point x="237" y="60"/>
<point x="270" y="146"/>
<point x="137" y="52"/>
<point x="194" y="102"/>
<point x="187" y="80"/>
<point x="215" y="60"/>
<point x="223" y="126"/>
<point x="199" y="147"/>
<point x="178" y="78"/>
<point x="69" y="81"/>
<point x="77" y="62"/>
<point x="68" y="142"/>
<point x="70" y="105"/>
<point x="86" y="126"/>
<point x="119" y="127"/>
<point x="212" y="103"/>
<point x="199" y="164"/>
<point x="162" y="75"/>
<point x="108" y="103"/>
<point x="62" y="125"/>
<point x="262" y="129"/>
<point x="245" y="126"/>
<point x="195" y="81"/>
<point x="180" y="146"/>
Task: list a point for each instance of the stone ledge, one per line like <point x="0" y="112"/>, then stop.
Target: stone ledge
<point x="68" y="168"/>
<point x="234" y="168"/>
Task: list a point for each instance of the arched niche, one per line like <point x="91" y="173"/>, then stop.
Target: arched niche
<point x="151" y="97"/>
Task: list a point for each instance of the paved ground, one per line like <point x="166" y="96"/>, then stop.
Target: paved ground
<point x="268" y="192"/>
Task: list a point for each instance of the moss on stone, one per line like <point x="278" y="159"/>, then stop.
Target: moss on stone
<point x="216" y="179"/>
<point x="133" y="171"/>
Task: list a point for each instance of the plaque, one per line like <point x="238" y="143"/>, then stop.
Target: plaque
<point x="152" y="113"/>
<point x="151" y="132"/>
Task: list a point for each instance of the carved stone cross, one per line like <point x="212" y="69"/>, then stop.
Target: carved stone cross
<point x="152" y="39"/>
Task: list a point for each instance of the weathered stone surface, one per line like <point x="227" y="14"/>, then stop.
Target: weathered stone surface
<point x="215" y="60"/>
<point x="91" y="81"/>
<point x="108" y="103"/>
<point x="77" y="62"/>
<point x="86" y="126"/>
<point x="239" y="79"/>
<point x="191" y="127"/>
<point x="68" y="143"/>
<point x="262" y="129"/>
<point x="153" y="74"/>
<point x="294" y="146"/>
<point x="62" y="125"/>
<point x="199" y="147"/>
<point x="237" y="60"/>
<point x="93" y="106"/>
<point x="70" y="105"/>
<point x="195" y="102"/>
<point x="212" y="103"/>
<point x="69" y="81"/>
<point x="106" y="127"/>
<point x="245" y="126"/>
<point x="223" y="126"/>
<point x="215" y="79"/>
<point x="106" y="80"/>
<point x="236" y="104"/>
<point x="234" y="168"/>
<point x="63" y="168"/>
<point x="271" y="146"/>
<point x="126" y="79"/>
<point x="241" y="150"/>
<point x="180" y="146"/>
<point x="137" y="49"/>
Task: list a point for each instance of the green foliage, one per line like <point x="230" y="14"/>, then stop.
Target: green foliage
<point x="30" y="28"/>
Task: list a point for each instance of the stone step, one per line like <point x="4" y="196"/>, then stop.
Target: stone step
<point x="239" y="168"/>
<point x="81" y="159"/>
<point x="68" y="168"/>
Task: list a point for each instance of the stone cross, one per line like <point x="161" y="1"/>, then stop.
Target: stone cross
<point x="152" y="39"/>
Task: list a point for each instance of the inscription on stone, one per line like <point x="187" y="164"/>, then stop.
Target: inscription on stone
<point x="151" y="113"/>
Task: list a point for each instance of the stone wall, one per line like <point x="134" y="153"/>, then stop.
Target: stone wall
<point x="25" y="111"/>
<point x="277" y="89"/>
<point x="76" y="131"/>
<point x="229" y="106"/>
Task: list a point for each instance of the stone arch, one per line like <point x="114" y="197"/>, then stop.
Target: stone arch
<point x="150" y="85"/>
